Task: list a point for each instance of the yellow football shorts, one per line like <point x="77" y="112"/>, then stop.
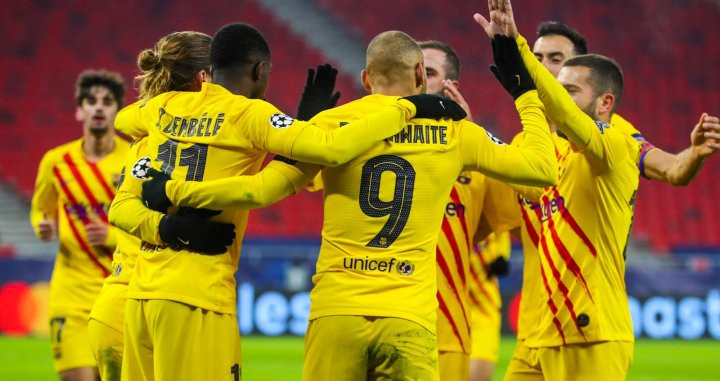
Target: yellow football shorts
<point x="604" y="360"/>
<point x="167" y="340"/>
<point x="106" y="344"/>
<point x="454" y="365"/>
<point x="352" y="348"/>
<point x="69" y="341"/>
<point x="485" y="334"/>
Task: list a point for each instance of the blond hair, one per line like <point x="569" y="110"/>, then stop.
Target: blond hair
<point x="391" y="58"/>
<point x="172" y="63"/>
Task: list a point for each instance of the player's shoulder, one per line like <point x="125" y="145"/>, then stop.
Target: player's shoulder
<point x="58" y="152"/>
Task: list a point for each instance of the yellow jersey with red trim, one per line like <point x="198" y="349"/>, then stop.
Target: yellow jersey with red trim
<point x="76" y="192"/>
<point x="109" y="307"/>
<point x="455" y="242"/>
<point x="484" y="292"/>
<point x="578" y="233"/>
<point x="380" y="231"/>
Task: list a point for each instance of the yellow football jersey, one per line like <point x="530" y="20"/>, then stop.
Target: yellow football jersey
<point x="214" y="134"/>
<point x="76" y="191"/>
<point x="383" y="209"/>
<point x="109" y="307"/>
<point x="484" y="289"/>
<point x="460" y="221"/>
<point x="472" y="196"/>
<point x="580" y="227"/>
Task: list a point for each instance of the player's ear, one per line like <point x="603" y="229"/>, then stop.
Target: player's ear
<point x="455" y="83"/>
<point x="79" y="114"/>
<point x="605" y="104"/>
<point x="259" y="70"/>
<point x="420" y="75"/>
<point x="365" y="80"/>
<point x="198" y="80"/>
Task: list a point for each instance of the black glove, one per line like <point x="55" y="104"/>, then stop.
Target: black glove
<point x="499" y="267"/>
<point x="318" y="93"/>
<point x="509" y="68"/>
<point x="436" y="107"/>
<point x="153" y="191"/>
<point x="192" y="230"/>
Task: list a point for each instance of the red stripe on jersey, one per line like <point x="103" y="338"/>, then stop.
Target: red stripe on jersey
<point x="480" y="306"/>
<point x="84" y="246"/>
<point x="558" y="278"/>
<point x="446" y="312"/>
<point x="479" y="251"/>
<point x="551" y="304"/>
<point x="456" y="199"/>
<point x="86" y="190"/>
<point x="565" y="254"/>
<point x="445" y="269"/>
<point x="565" y="213"/>
<point x="106" y="187"/>
<point x="528" y="225"/>
<point x="479" y="283"/>
<point x="447" y="231"/>
<point x="68" y="194"/>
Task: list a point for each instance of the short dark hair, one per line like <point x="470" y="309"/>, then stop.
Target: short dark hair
<point x="605" y="74"/>
<point x="111" y="80"/>
<point x="452" y="62"/>
<point x="238" y="44"/>
<point x="557" y="28"/>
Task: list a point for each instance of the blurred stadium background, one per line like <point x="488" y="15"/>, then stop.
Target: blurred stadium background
<point x="668" y="49"/>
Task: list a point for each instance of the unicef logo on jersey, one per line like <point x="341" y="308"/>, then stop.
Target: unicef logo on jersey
<point x="405" y="268"/>
<point x="281" y="120"/>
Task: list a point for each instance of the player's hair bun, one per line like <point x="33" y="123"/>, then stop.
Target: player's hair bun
<point x="148" y="60"/>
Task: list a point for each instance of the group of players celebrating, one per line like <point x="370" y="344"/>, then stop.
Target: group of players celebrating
<point x="410" y="186"/>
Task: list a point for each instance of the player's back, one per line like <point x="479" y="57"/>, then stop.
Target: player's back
<point x="198" y="136"/>
<point x="383" y="211"/>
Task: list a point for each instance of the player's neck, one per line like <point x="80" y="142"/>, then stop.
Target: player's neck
<point x="97" y="147"/>
<point x="395" y="90"/>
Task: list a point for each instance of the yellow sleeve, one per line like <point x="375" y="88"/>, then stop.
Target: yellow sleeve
<point x="127" y="210"/>
<point x="581" y="130"/>
<point x="534" y="163"/>
<point x="276" y="181"/>
<point x="45" y="198"/>
<point x="129" y="121"/>
<point x="500" y="206"/>
<point x="111" y="239"/>
<point x="308" y="143"/>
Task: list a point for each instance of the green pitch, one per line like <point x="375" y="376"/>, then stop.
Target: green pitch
<point x="281" y="359"/>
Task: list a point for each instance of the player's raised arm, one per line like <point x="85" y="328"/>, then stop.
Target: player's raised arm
<point x="280" y="178"/>
<point x="306" y="142"/>
<point x="681" y="168"/>
<point x="580" y="128"/>
<point x="534" y="162"/>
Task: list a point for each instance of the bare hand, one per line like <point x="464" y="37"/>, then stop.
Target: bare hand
<point x="97" y="232"/>
<point x="705" y="137"/>
<point x="501" y="17"/>
<point x="47" y="229"/>
<point x="450" y="91"/>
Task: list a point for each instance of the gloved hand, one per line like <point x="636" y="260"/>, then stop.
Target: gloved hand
<point x="498" y="267"/>
<point x="436" y="107"/>
<point x="318" y="93"/>
<point x="192" y="230"/>
<point x="509" y="68"/>
<point x="153" y="191"/>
